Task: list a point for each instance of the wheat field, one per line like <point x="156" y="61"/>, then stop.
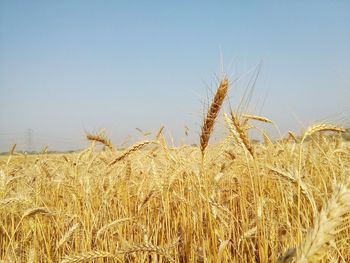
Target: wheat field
<point x="236" y="200"/>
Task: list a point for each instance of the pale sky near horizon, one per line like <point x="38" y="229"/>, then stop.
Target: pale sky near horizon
<point x="70" y="67"/>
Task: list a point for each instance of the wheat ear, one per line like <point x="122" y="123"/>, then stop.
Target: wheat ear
<point x="256" y="118"/>
<point x="113" y="223"/>
<point x="67" y="235"/>
<point x="129" y="151"/>
<point x="88" y="256"/>
<point x="145" y="248"/>
<point x="159" y="132"/>
<point x="320" y="128"/>
<point x="101" y="139"/>
<point x="35" y="211"/>
<point x="31" y="255"/>
<point x="328" y="223"/>
<point x="208" y="123"/>
<point x="13" y="201"/>
<point x="303" y="187"/>
<point x="150" y="248"/>
<point x="331" y="217"/>
<point x="239" y="133"/>
<point x="293" y="136"/>
<point x="13" y="148"/>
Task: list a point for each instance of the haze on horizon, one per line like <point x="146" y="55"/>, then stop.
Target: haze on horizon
<point x="70" y="67"/>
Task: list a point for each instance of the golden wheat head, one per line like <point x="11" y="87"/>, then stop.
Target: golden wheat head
<point x="129" y="151"/>
<point x="321" y="128"/>
<point x="213" y="111"/>
<point x="101" y="139"/>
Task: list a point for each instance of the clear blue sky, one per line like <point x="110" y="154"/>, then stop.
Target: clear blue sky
<point x="67" y="67"/>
